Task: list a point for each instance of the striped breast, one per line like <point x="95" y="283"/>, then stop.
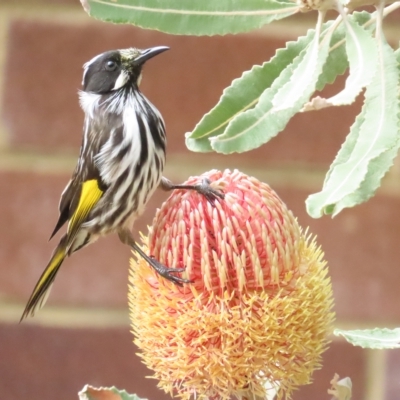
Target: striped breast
<point x="130" y="162"/>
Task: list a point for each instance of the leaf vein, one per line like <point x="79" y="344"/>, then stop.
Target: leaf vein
<point x="377" y="133"/>
<point x="191" y="12"/>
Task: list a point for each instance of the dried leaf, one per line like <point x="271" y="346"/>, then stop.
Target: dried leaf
<point x="317" y="103"/>
<point x="341" y="389"/>
<point x="112" y="393"/>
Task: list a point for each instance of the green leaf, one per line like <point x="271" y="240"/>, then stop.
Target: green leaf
<point x="397" y="55"/>
<point x="337" y="61"/>
<point x="372" y="338"/>
<point x="111" y="393"/>
<point x="187" y="17"/>
<point x="362" y="55"/>
<point x="362" y="18"/>
<point x="304" y="77"/>
<point x="346" y="150"/>
<point x="369" y="150"/>
<point x="244" y="94"/>
<point x="277" y="104"/>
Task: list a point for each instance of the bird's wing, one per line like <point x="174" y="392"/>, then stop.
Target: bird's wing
<point x="64" y="206"/>
<point x="86" y="186"/>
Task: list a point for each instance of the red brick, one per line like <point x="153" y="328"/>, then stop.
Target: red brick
<point x="44" y="72"/>
<point x="96" y="275"/>
<point x="342" y="359"/>
<point x="47" y="88"/>
<point x="49" y="363"/>
<point x="392" y="374"/>
<point x="392" y="20"/>
<point x="361" y="248"/>
<point x="45" y="363"/>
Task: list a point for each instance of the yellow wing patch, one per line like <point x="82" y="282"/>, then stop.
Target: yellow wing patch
<point x="90" y="195"/>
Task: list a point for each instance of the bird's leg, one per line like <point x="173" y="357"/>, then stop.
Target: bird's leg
<point x="204" y="188"/>
<point x="126" y="237"/>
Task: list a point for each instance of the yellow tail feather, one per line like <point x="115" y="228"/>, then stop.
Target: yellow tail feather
<point x="90" y="194"/>
<point x="42" y="289"/>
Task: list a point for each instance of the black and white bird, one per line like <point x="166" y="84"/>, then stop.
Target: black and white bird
<point x="120" y="164"/>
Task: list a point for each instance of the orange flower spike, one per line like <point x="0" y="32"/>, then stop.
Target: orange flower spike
<point x="259" y="310"/>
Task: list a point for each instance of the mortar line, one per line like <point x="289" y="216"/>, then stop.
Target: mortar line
<point x="68" y="317"/>
<point x="4" y="26"/>
<point x="295" y="175"/>
<point x="94" y="316"/>
<point x="299" y="176"/>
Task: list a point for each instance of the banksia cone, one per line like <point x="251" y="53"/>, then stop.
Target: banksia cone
<point x="258" y="312"/>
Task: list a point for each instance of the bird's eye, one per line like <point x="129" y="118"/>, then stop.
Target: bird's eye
<point x="111" y="65"/>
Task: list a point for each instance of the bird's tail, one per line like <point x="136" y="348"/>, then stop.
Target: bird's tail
<point x="42" y="289"/>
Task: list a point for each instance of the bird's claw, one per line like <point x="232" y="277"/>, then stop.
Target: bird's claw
<point x="167" y="273"/>
<point x="204" y="188"/>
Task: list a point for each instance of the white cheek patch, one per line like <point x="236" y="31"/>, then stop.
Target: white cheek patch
<point x="121" y="81"/>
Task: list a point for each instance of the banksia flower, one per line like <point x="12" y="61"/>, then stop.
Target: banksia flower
<point x="258" y="312"/>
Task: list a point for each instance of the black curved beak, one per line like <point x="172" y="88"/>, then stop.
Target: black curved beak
<point x="150" y="53"/>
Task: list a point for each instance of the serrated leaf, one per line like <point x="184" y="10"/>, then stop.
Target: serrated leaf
<point x="304" y="77"/>
<point x="201" y="145"/>
<point x="369" y="150"/>
<point x="111" y="393"/>
<point x="363" y="17"/>
<point x="240" y="127"/>
<point x="183" y="17"/>
<point x="372" y="338"/>
<point x="277" y="104"/>
<point x="244" y="94"/>
<point x="337" y="62"/>
<point x="347" y="147"/>
<point x="362" y="55"/>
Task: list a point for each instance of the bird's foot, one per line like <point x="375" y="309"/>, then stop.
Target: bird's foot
<point x="168" y="273"/>
<point x="204" y="188"/>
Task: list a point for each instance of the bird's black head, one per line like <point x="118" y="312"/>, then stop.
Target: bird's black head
<point x="115" y="69"/>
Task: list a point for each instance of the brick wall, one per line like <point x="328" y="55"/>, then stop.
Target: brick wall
<point x="82" y="335"/>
